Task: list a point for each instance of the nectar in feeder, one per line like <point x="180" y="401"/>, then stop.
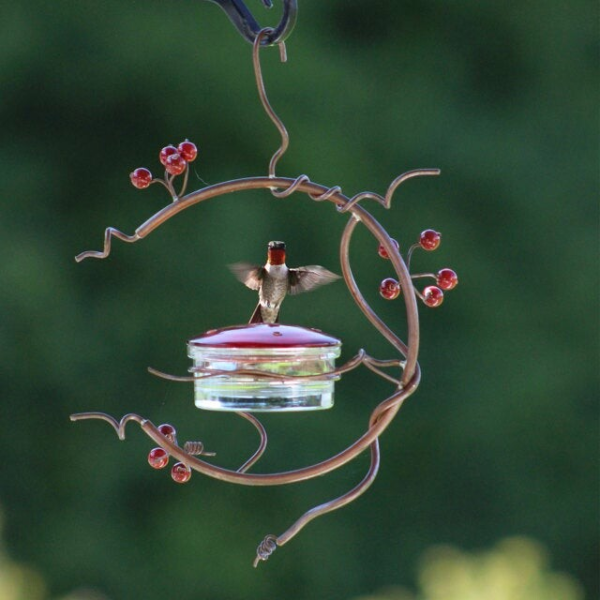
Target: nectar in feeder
<point x="264" y="367"/>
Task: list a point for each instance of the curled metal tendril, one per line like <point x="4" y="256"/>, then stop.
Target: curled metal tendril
<point x="197" y="449"/>
<point x="265" y="549"/>
<point x="382" y="415"/>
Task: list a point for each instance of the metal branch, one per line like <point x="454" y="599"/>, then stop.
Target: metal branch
<point x="118" y="426"/>
<point x="361" y="358"/>
<point x="109" y="233"/>
<point x="383" y="414"/>
<point x="271" y="542"/>
<point x="411" y="374"/>
<point x="410" y="350"/>
<point x="262" y="93"/>
<point x="263" y="441"/>
<point x="387" y="411"/>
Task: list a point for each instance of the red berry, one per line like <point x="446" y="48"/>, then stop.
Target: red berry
<point x="430" y="239"/>
<point x="175" y="164"/>
<point x="433" y="296"/>
<point x="383" y="252"/>
<point x="168" y="431"/>
<point x="165" y="153"/>
<point x="158" y="458"/>
<point x="447" y="279"/>
<point x="180" y="473"/>
<point x="188" y="150"/>
<point x="389" y="288"/>
<point x="141" y="178"/>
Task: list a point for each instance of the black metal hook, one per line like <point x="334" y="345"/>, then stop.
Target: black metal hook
<point x="247" y="25"/>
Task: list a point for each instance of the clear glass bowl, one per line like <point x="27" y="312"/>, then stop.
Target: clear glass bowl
<point x="284" y="350"/>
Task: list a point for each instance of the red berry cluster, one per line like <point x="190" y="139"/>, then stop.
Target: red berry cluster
<point x="432" y="295"/>
<point x="174" y="159"/>
<point x="158" y="458"/>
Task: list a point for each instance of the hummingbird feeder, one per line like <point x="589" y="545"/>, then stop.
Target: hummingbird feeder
<point x="230" y="365"/>
<point x="274" y="367"/>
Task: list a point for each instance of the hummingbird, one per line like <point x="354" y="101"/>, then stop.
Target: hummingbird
<point x="274" y="280"/>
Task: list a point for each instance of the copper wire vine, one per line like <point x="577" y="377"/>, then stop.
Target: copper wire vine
<point x="409" y="375"/>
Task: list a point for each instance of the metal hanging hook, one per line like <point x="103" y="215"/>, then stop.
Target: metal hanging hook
<point x="247" y="25"/>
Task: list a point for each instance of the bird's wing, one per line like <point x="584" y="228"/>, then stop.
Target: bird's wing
<point x="250" y="275"/>
<point x="304" y="279"/>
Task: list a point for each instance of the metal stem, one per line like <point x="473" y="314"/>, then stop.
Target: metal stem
<point x="387" y="409"/>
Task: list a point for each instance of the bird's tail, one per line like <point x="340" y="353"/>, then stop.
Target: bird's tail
<point x="256" y="315"/>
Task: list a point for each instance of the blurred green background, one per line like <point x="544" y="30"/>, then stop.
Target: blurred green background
<point x="501" y="438"/>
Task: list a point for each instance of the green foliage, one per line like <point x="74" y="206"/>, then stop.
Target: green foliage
<point x="501" y="437"/>
<point x="516" y="569"/>
<point x="21" y="582"/>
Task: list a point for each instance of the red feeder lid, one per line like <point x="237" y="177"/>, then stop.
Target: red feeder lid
<point x="263" y="335"/>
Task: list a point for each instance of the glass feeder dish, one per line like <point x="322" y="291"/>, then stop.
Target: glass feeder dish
<point x="229" y="362"/>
